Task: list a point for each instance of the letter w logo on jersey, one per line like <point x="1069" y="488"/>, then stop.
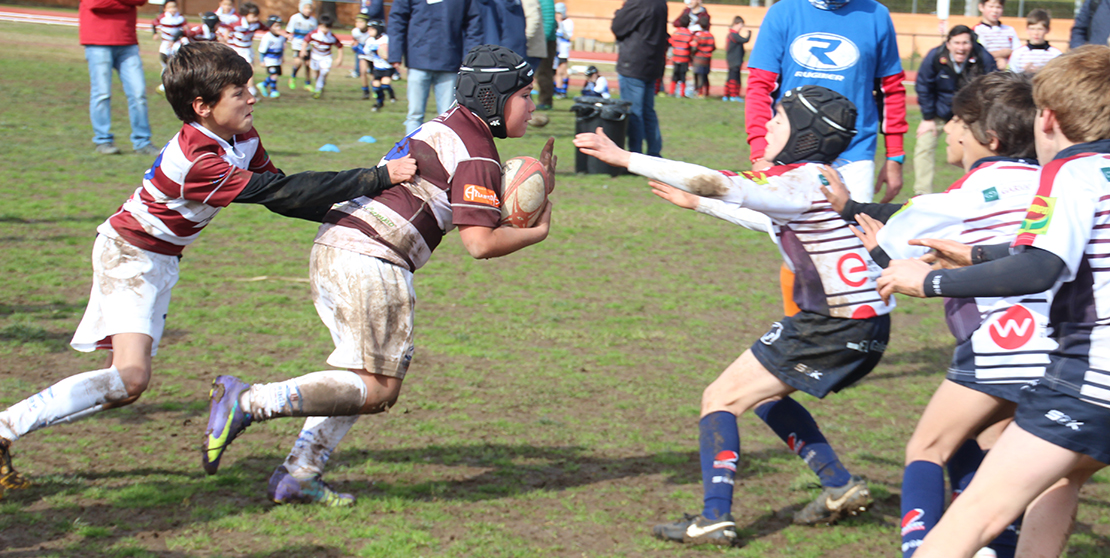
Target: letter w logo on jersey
<point x="824" y="52"/>
<point x="1014" y="328"/>
<point x="478" y="194"/>
<point x="1039" y="215"/>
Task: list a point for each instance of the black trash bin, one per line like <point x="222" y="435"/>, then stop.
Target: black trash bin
<point x="609" y="114"/>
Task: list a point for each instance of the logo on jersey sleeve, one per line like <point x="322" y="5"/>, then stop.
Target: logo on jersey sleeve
<point x="824" y="52"/>
<point x="1039" y="215"/>
<point x="474" y="193"/>
<point x="990" y="194"/>
<point x="1013" y="329"/>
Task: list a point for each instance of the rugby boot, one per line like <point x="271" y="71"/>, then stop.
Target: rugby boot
<point x="226" y="419"/>
<point x="284" y="488"/>
<point x="9" y="477"/>
<point x="292" y="83"/>
<point x="834" y="504"/>
<point x="695" y="529"/>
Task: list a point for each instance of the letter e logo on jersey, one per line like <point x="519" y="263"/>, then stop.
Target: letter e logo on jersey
<point x="824" y="52"/>
<point x="1013" y="329"/>
<point x="1039" y="215"/>
<point x="852" y="269"/>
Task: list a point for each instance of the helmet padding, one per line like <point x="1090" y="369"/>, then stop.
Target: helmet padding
<point x="822" y="124"/>
<point x="489" y="75"/>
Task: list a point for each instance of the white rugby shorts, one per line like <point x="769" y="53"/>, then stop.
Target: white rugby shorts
<point x="322" y="65"/>
<point x="130" y="294"/>
<point x="244" y="53"/>
<point x="368" y="305"/>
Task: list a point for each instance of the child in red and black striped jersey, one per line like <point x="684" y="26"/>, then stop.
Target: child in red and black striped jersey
<point x="703" y="46"/>
<point x="681" y="47"/>
<point x="216" y="159"/>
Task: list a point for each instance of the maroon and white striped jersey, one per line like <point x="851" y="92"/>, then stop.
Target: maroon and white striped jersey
<point x="833" y="273"/>
<point x="242" y="33"/>
<point x="458" y="182"/>
<point x="167" y="24"/>
<point x="195" y="175"/>
<point x="1010" y="337"/>
<point x="201" y="33"/>
<point x="320" y="44"/>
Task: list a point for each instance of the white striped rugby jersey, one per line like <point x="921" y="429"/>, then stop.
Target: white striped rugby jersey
<point x="321" y="43"/>
<point x="1034" y="56"/>
<point x="458" y="182"/>
<point x="833" y="273"/>
<point x="195" y="175"/>
<point x="1070" y="217"/>
<point x="168" y="24"/>
<point x="997" y="37"/>
<point x="1010" y="337"/>
<point x="242" y="33"/>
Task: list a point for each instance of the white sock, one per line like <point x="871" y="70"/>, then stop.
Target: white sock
<point x="319" y="394"/>
<point x="319" y="437"/>
<point x="73" y="398"/>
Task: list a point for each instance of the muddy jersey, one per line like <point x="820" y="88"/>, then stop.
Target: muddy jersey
<point x="1070" y="217"/>
<point x="834" y="274"/>
<point x="242" y="33"/>
<point x="195" y="175"/>
<point x="320" y="44"/>
<point x="1002" y="340"/>
<point x="300" y="27"/>
<point x="167" y="25"/>
<point x="457" y="182"/>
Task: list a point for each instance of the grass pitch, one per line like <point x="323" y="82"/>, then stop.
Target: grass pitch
<point x="551" y="408"/>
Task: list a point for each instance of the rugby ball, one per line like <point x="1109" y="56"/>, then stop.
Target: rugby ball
<point x="523" y="192"/>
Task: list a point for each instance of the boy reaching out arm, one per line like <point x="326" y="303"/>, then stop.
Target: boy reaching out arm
<point x="838" y="336"/>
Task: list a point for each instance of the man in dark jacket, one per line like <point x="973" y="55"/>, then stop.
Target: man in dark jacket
<point x="641" y="30"/>
<point x="503" y="24"/>
<point x="431" y="38"/>
<point x="1092" y="24"/>
<point x="107" y="31"/>
<point x="944" y="71"/>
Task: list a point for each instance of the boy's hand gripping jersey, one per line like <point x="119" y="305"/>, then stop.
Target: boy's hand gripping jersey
<point x="1010" y="337"/>
<point x="834" y="274"/>
<point x="458" y="182"/>
<point x="1070" y="217"/>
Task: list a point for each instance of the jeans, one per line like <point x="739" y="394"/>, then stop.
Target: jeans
<point x="420" y="83"/>
<point x="642" y="121"/>
<point x="126" y="61"/>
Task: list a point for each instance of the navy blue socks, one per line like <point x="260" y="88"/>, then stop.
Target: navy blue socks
<point x="719" y="446"/>
<point x="793" y="423"/>
<point x="922" y="503"/>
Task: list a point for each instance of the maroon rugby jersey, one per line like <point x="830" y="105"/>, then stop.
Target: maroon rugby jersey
<point x="195" y="175"/>
<point x="458" y="182"/>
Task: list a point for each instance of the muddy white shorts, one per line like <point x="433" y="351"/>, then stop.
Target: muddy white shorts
<point x="130" y="294"/>
<point x="368" y="305"/>
<point x="322" y="65"/>
<point x="245" y="53"/>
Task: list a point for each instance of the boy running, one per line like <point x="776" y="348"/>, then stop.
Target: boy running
<point x="1062" y="420"/>
<point x="216" y="159"/>
<point x="166" y="26"/>
<point x="301" y="25"/>
<point x="272" y="50"/>
<point x="835" y="340"/>
<point x="318" y="48"/>
<point x="362" y="267"/>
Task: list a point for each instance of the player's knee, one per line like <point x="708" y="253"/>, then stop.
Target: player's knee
<point x="136" y="378"/>
<point x="926" y="448"/>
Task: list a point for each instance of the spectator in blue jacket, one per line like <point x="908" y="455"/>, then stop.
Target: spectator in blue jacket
<point x="944" y="71"/>
<point x="503" y="24"/>
<point x="431" y="39"/>
<point x="1092" y="24"/>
